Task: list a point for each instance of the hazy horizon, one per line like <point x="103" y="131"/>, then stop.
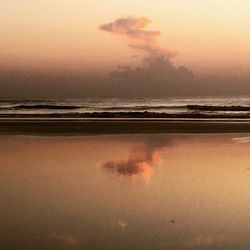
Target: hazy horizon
<point x="127" y="49"/>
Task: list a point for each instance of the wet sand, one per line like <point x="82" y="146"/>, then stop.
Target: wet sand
<point x="165" y="191"/>
<point x="120" y="126"/>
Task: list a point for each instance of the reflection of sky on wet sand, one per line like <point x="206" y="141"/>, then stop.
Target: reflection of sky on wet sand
<point x="141" y="160"/>
<point x="58" y="193"/>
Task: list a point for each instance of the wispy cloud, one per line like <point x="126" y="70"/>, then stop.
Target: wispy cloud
<point x="133" y="29"/>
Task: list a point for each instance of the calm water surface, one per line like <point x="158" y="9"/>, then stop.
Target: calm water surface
<point x="125" y="192"/>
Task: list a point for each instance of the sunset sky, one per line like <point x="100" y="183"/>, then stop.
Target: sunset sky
<point x="207" y="35"/>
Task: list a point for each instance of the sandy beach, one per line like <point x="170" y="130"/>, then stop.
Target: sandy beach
<point x="154" y="191"/>
<point x="120" y="126"/>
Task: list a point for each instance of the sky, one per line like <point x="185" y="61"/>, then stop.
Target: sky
<point x="204" y="34"/>
<point x="207" y="37"/>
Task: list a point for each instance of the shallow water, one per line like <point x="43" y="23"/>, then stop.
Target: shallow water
<point x="211" y="107"/>
<point x="125" y="192"/>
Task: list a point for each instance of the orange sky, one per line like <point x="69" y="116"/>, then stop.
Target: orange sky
<point x="213" y="34"/>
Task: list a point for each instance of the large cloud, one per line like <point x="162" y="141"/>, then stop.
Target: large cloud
<point x="133" y="29"/>
<point x="158" y="73"/>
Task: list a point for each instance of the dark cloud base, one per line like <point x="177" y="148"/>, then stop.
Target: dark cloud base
<point x="151" y="81"/>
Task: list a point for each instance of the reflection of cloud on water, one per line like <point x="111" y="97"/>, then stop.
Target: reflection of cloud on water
<point x="122" y="224"/>
<point x="242" y="139"/>
<point x="128" y="168"/>
<point x="206" y="241"/>
<point x="70" y="241"/>
<point x="142" y="158"/>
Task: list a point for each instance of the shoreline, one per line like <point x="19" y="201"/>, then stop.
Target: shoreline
<point x="126" y="115"/>
<point x="120" y="126"/>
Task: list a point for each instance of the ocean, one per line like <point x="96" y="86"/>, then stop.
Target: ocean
<point x="206" y="107"/>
